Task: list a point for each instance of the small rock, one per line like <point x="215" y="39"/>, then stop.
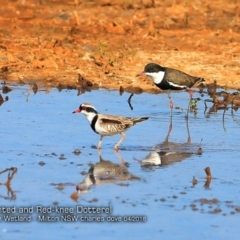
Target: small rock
<point x="77" y="151"/>
<point x="41" y="163"/>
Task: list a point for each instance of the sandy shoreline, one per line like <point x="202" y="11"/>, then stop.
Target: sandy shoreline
<point x="58" y="43"/>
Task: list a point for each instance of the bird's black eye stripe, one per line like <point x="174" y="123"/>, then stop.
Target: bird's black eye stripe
<point x="82" y="108"/>
<point x="90" y="109"/>
<point x="87" y="109"/>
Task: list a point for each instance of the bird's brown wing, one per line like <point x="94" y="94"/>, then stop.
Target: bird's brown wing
<point x="180" y="78"/>
<point x="114" y="124"/>
<point x="110" y="121"/>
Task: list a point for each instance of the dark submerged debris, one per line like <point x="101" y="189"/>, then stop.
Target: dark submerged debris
<point x="34" y="87"/>
<point x="221" y="100"/>
<point x="62" y="157"/>
<point x="77" y="151"/>
<point x="11" y="172"/>
<point x="237" y="209"/>
<point x="212" y="87"/>
<point x="11" y="195"/>
<point x="84" y="173"/>
<point x="74" y="196"/>
<point x="194" y="104"/>
<point x="208" y="172"/>
<point x="93" y="200"/>
<point x="216" y="210"/>
<point x="71" y="87"/>
<point x="6" y="89"/>
<point x="41" y="163"/>
<point x="85" y="85"/>
<point x="135" y="90"/>
<point x="194" y="181"/>
<point x="55" y="203"/>
<point x="208" y="201"/>
<point x="61" y="86"/>
<point x="208" y="177"/>
<point x="60" y="186"/>
<point x="200" y="151"/>
<point x="121" y="90"/>
<point x="1" y="100"/>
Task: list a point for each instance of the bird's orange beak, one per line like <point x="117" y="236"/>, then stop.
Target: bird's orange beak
<point x="77" y="111"/>
<point x="140" y="74"/>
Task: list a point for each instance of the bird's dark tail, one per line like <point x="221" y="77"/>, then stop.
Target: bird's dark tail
<point x="198" y="81"/>
<point x="138" y="120"/>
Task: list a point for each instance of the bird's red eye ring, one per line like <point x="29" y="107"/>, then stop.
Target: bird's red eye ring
<point x="83" y="108"/>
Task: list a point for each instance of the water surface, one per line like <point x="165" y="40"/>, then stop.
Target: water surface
<point x="39" y="134"/>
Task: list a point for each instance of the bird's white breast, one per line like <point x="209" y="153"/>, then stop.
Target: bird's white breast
<point x="156" y="77"/>
<point x="102" y="129"/>
<point x="89" y="115"/>
<point x="99" y="128"/>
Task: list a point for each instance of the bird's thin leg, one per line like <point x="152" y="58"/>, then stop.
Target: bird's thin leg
<point x="190" y="93"/>
<point x="188" y="132"/>
<point x="100" y="142"/>
<point x="119" y="142"/>
<point x="171" y="114"/>
<point x="170" y="100"/>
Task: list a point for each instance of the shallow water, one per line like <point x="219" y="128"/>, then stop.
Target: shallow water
<point x="41" y="128"/>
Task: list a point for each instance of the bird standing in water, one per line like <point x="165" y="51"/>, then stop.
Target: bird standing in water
<point x="169" y="79"/>
<point x="107" y="125"/>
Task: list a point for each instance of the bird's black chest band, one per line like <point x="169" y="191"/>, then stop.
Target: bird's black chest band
<point x="93" y="123"/>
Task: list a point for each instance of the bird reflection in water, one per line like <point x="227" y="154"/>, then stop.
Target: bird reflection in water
<point x="170" y="152"/>
<point x="105" y="171"/>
